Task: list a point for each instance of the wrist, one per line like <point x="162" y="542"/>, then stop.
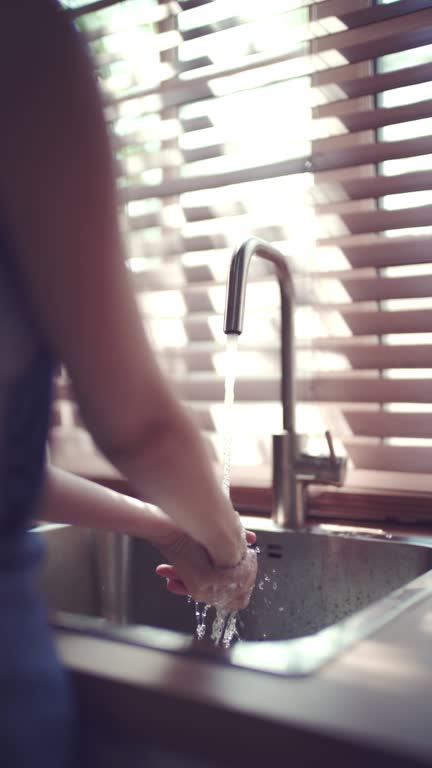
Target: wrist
<point x="164" y="532"/>
<point x="228" y="549"/>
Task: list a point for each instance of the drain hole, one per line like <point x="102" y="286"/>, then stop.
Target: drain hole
<point x="274" y="550"/>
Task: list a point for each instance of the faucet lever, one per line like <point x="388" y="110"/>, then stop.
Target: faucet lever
<point x="329" y="439"/>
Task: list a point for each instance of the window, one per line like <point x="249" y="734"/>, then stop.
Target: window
<point x="307" y="124"/>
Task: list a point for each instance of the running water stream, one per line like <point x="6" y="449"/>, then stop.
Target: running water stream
<point x="230" y="377"/>
<point x="224" y="627"/>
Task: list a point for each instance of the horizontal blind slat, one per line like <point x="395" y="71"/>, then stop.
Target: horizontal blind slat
<point x="327" y="190"/>
<point x="385" y="252"/>
<point x="177" y="92"/>
<point x="360" y="322"/>
<point x="192" y="184"/>
<point x="378" y="289"/>
<point x="361" y="154"/>
<point x="187" y="5"/>
<point x="331" y="84"/>
<point x="330" y="388"/>
<point x="98" y="5"/>
<point x="318" y="161"/>
<point x="377" y="356"/>
<point x="367" y="34"/>
<point x="390" y="458"/>
<point x="377" y="323"/>
<point x="384" y="424"/>
<point x="367" y="13"/>
<point x="319" y="129"/>
<point x="381" y="37"/>
<point x="376" y="221"/>
<point x="359" y="288"/>
<point x="328" y="129"/>
<point x="227" y="21"/>
<point x="378" y="118"/>
<point x="423" y="36"/>
<point x="357" y="188"/>
<point x="365" y="86"/>
<point x="199" y="356"/>
<point x="366" y="390"/>
<point x="372" y="254"/>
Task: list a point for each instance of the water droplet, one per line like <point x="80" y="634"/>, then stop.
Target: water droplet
<point x="274" y="585"/>
<point x="224" y="627"/>
<point x="261" y="585"/>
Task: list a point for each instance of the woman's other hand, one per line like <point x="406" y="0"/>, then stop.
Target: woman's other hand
<point x="192" y="572"/>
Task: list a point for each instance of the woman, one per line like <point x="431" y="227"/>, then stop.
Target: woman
<point x="65" y="295"/>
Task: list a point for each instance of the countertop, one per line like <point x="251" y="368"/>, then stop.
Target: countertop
<point x="373" y="704"/>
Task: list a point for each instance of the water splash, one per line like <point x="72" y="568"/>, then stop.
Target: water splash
<point x="230" y="377"/>
<point x="200" y="614"/>
<point x="224" y="627"/>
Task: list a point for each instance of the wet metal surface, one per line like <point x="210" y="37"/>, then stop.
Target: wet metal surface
<point x="317" y="592"/>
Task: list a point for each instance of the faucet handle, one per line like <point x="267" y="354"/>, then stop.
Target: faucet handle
<point x="337" y="463"/>
<point x="328" y="470"/>
<point x="329" y="439"/>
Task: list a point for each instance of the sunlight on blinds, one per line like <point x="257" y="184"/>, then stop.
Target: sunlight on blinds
<point x="309" y="127"/>
<point x="422" y="289"/>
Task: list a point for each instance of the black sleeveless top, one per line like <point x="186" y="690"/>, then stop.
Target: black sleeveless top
<point x="36" y="723"/>
<point x="25" y="394"/>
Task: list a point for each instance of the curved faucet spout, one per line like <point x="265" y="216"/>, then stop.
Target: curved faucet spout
<point x="234" y="312"/>
<point x="292" y="469"/>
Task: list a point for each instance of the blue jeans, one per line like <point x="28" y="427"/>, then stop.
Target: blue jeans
<point x="37" y="720"/>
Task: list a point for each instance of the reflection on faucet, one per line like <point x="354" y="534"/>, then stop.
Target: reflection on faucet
<point x="292" y="469"/>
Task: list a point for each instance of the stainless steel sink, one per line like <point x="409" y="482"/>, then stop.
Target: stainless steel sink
<point x="317" y="592"/>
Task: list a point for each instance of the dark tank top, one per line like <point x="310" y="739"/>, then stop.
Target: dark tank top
<point x="36" y="713"/>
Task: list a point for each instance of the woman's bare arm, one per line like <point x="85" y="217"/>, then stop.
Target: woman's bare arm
<point x="57" y="192"/>
<point x="66" y="498"/>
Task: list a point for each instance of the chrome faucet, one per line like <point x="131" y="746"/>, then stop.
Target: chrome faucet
<point x="292" y="469"/>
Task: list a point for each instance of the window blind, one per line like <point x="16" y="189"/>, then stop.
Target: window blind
<point x="307" y="124"/>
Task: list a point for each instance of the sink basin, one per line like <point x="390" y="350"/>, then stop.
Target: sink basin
<point x="317" y="592"/>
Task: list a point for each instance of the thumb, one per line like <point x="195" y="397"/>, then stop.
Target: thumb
<point x="174" y="582"/>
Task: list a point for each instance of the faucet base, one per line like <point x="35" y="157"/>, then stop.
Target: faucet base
<point x="288" y="493"/>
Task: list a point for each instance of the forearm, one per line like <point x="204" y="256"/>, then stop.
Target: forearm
<point x="170" y="467"/>
<point x="67" y="498"/>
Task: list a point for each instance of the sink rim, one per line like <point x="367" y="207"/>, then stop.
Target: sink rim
<point x="297" y="657"/>
<point x="343" y="530"/>
<point x="289" y="658"/>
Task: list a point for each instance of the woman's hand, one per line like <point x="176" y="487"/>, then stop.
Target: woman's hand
<point x="192" y="573"/>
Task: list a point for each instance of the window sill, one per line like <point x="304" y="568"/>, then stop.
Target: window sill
<point x="349" y="504"/>
<point x="251" y="492"/>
